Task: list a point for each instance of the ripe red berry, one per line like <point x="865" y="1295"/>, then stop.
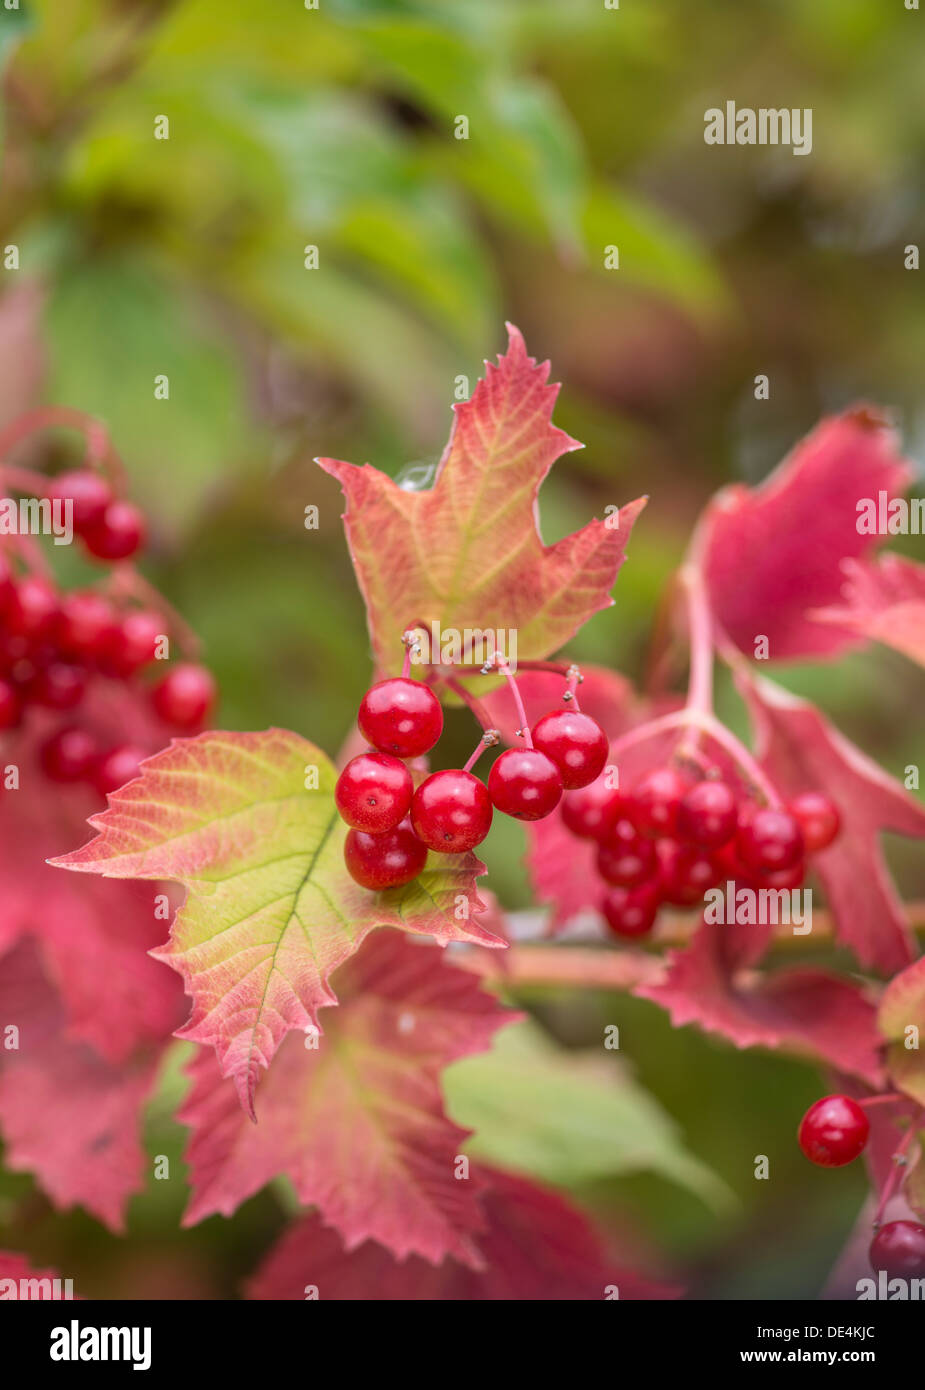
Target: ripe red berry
<point x="185" y="695"/>
<point x="58" y="685"/>
<point x="88" y="491"/>
<point x="524" y="783"/>
<point x="451" y="811"/>
<point x="575" y="742"/>
<point x="384" y="861"/>
<point x="685" y="873"/>
<point x="84" y="624"/>
<point x="132" y="642"/>
<point x="7" y="584"/>
<point x="899" y="1248"/>
<point x="768" y="839"/>
<point x="791" y="877"/>
<point x="707" y="814"/>
<point x="818" y="819"/>
<point x="118" y="534"/>
<point x="401" y="716"/>
<point x="115" y="768"/>
<point x="626" y="858"/>
<point x="592" y="812"/>
<point x="33" y="608"/>
<point x="10" y="705"/>
<point x="68" y="755"/>
<point x="654" y="802"/>
<point x="631" y="911"/>
<point x="373" y="793"/>
<point x="833" y="1131"/>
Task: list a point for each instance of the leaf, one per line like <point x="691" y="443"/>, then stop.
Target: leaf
<point x="902" y="1022"/>
<point x="66" y="1114"/>
<point x="357" y="1121"/>
<point x="270" y="910"/>
<point x="884" y="603"/>
<point x="466" y="553"/>
<point x="802" y="751"/>
<point x="537" y="1247"/>
<point x="567" y="1117"/>
<point x="808" y="1012"/>
<point x="773" y="552"/>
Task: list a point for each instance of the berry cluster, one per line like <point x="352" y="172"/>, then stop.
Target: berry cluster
<point x="392" y="824"/>
<point x="110" y="528"/>
<point x="834" y="1131"/>
<point x="671" y="838"/>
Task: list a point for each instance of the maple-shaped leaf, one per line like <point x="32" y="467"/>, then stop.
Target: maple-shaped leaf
<point x="355" y="1118"/>
<point x="20" y="1281"/>
<point x="902" y="1022"/>
<point x="884" y="602"/>
<point x="802" y="751"/>
<point x="66" y="1114"/>
<point x="536" y="1246"/>
<point x="772" y="552"/>
<point x="247" y="823"/>
<point x="808" y="1012"/>
<point x="467" y="552"/>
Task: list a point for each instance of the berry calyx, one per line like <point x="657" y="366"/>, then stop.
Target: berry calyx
<point x="373" y="793"/>
<point x="89" y="493"/>
<point x="626" y="858"/>
<point x="707" y="814"/>
<point x="401" y="716"/>
<point x="654" y="802"/>
<point x="451" y="811"/>
<point x="575" y="742"/>
<point x="833" y="1131"/>
<point x="817" y="818"/>
<point x="899" y="1248"/>
<point x="384" y="861"/>
<point x="631" y="911"/>
<point x="768" y="839"/>
<point x="118" y="534"/>
<point x="115" y="768"/>
<point x="525" y="784"/>
<point x="592" y="812"/>
<point x="185" y="696"/>
<point x="68" y="755"/>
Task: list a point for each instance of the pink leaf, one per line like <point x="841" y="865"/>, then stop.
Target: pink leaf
<point x="882" y="603"/>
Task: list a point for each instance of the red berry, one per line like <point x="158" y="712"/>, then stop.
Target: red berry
<point x="68" y="755"/>
<point x="84" y="624"/>
<point x="384" y="861"/>
<point x="818" y="819"/>
<point x="33" y="608"/>
<point x="782" y="878"/>
<point x="707" y="814"/>
<point x="685" y="873"/>
<point x="10" y="705"/>
<point x="899" y="1248"/>
<point x="625" y="858"/>
<point x="185" y="696"/>
<point x="115" y="768"/>
<point x="58" y="685"/>
<point x="7" y="584"/>
<point x="524" y="783"/>
<point x="373" y="792"/>
<point x="451" y="811"/>
<point x="118" y="534"/>
<point x="592" y="812"/>
<point x="654" y="802"/>
<point x="133" y="642"/>
<point x="575" y="742"/>
<point x="401" y="716"/>
<point x="631" y="911"/>
<point x="768" y="839"/>
<point x="89" y="492"/>
<point x="833" y="1131"/>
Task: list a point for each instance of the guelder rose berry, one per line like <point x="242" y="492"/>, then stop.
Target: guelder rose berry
<point x="575" y="742"/>
<point x="373" y="793"/>
<point x="899" y="1248"/>
<point x="451" y="811"/>
<point x="384" y="861"/>
<point x="525" y="784"/>
<point x="655" y="800"/>
<point x="401" y="716"/>
<point x="833" y="1131"/>
<point x="185" y="695"/>
<point x="592" y="812"/>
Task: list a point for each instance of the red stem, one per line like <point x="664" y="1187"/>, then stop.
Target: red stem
<point x="524" y="729"/>
<point x="892" y="1182"/>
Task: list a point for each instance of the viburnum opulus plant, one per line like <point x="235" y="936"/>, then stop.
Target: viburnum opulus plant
<point x="320" y="1052"/>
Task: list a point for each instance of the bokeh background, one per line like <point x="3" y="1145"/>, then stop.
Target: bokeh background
<point x="291" y="127"/>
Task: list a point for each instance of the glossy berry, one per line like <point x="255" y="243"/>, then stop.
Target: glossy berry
<point x="626" y="858"/>
<point x="118" y="534"/>
<point x="33" y="608"/>
<point x="88" y="491"/>
<point x="833" y="1131"/>
<point x="685" y="873"/>
<point x="768" y="839"/>
<point x="592" y="812"/>
<point x="58" y="685"/>
<point x="185" y="695"/>
<point x="575" y="742"/>
<point x="654" y="802"/>
<point x="401" y="716"/>
<point x="525" y="784"/>
<point x="115" y="768"/>
<point x="133" y="642"/>
<point x="68" y="755"/>
<point x="373" y="793"/>
<point x="384" y="861"/>
<point x="899" y="1248"/>
<point x="707" y="814"/>
<point x="631" y="911"/>
<point x="789" y="878"/>
<point x="451" y="811"/>
<point x="817" y="818"/>
<point x="84" y="625"/>
<point x="10" y="705"/>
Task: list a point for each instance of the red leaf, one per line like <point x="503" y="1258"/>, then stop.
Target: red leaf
<point x="774" y="551"/>
<point x="882" y="603"/>
<point x="358" y="1122"/>
<point x="537" y="1247"/>
<point x="802" y="751"/>
<point x="466" y="553"/>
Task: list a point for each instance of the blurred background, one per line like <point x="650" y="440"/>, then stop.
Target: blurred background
<point x="334" y="128"/>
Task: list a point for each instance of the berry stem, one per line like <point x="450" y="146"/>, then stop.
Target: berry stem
<point x="502" y="665"/>
<point x="708" y="724"/>
<point x="457" y="687"/>
<point x="571" y="689"/>
<point x="893" y="1179"/>
<point x="489" y="739"/>
<point x="700" y="629"/>
<point x="99" y="450"/>
<point x="889" y="1099"/>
